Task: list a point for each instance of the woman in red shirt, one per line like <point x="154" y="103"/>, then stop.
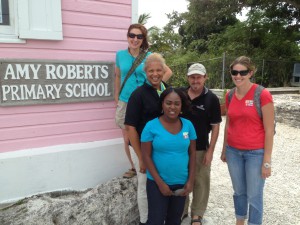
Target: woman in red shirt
<point x="248" y="142"/>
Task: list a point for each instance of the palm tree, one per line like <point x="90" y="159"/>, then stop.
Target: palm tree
<point x="143" y="18"/>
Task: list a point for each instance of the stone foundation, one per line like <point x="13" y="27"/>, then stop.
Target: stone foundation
<point x="107" y="204"/>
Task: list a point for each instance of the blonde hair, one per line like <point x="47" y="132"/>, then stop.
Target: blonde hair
<point x="155" y="57"/>
<point x="245" y="61"/>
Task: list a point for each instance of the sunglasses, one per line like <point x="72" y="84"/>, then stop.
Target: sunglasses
<point x="139" y="36"/>
<point x="241" y="72"/>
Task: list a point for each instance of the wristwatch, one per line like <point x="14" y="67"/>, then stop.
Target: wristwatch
<point x="267" y="165"/>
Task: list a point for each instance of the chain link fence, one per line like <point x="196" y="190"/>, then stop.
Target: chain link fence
<point x="270" y="73"/>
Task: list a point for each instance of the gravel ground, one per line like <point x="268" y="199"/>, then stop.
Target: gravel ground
<point x="282" y="189"/>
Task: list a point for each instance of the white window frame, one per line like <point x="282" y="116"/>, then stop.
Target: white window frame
<point x="26" y="21"/>
<point x="134" y="11"/>
<point x="9" y="34"/>
<point x="40" y="19"/>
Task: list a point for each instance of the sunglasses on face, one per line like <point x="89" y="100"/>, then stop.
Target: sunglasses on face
<point x="139" y="36"/>
<point x="241" y="72"/>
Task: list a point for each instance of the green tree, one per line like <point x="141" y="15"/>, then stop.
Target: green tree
<point x="270" y="35"/>
<point x="271" y="40"/>
<point x="204" y="18"/>
<point x="143" y="19"/>
<point x="166" y="40"/>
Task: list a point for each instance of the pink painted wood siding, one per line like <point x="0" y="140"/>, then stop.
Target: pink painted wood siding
<point x="93" y="31"/>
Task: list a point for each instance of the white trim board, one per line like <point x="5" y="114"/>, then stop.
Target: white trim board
<point x="65" y="167"/>
<point x="134" y="11"/>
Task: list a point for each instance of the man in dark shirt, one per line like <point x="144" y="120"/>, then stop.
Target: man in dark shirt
<point x="206" y="116"/>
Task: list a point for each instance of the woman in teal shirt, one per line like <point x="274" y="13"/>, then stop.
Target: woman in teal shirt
<point x="169" y="148"/>
<point x="137" y="43"/>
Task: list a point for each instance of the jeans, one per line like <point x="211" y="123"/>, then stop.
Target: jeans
<point x="141" y="188"/>
<point x="164" y="209"/>
<point x="245" y="171"/>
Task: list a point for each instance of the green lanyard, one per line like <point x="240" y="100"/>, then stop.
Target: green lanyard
<point x="162" y="88"/>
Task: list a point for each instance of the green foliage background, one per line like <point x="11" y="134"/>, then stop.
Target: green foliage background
<point x="210" y="33"/>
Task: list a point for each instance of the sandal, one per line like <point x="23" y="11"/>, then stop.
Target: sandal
<point x="130" y="173"/>
<point x="198" y="220"/>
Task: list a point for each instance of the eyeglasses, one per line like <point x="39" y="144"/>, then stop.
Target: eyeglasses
<point x="241" y="72"/>
<point x="139" y="36"/>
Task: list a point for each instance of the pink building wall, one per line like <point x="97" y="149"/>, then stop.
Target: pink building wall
<point x="93" y="30"/>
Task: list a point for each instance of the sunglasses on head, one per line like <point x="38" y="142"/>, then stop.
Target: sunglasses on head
<point x="139" y="36"/>
<point x="241" y="72"/>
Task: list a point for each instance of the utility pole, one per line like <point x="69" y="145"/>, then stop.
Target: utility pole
<point x="262" y="72"/>
<point x="223" y="71"/>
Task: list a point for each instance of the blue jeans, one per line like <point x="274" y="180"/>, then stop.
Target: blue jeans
<point x="245" y="171"/>
<point x="164" y="209"/>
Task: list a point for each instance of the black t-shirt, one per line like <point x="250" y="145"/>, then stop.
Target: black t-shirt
<point x="143" y="106"/>
<point x="205" y="111"/>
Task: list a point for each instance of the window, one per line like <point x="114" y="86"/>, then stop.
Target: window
<point x="8" y="32"/>
<point x="4" y="12"/>
<point x="30" y="19"/>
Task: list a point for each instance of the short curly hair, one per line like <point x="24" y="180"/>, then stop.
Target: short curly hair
<point x="154" y="57"/>
<point x="185" y="103"/>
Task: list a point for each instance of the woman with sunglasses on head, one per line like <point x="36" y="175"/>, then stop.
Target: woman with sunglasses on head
<point x="126" y="82"/>
<point x="168" y="145"/>
<point x="248" y="142"/>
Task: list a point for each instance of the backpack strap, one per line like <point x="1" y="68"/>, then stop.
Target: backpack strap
<point x="230" y="95"/>
<point x="257" y="101"/>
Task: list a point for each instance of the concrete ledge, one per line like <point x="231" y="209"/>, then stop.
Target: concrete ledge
<point x="66" y="167"/>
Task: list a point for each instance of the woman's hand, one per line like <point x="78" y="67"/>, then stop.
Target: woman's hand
<point x="165" y="190"/>
<point x="223" y="156"/>
<point x="142" y="166"/>
<point x="265" y="172"/>
<point x="116" y="100"/>
<point x="117" y="84"/>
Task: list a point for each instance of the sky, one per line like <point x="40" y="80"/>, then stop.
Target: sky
<point x="158" y="10"/>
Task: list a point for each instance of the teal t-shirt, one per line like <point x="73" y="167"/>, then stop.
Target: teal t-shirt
<point x="124" y="61"/>
<point x="170" y="151"/>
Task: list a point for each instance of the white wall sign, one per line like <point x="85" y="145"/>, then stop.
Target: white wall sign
<point x="33" y="82"/>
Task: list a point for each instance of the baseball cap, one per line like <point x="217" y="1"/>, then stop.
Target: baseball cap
<point x="196" y="68"/>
